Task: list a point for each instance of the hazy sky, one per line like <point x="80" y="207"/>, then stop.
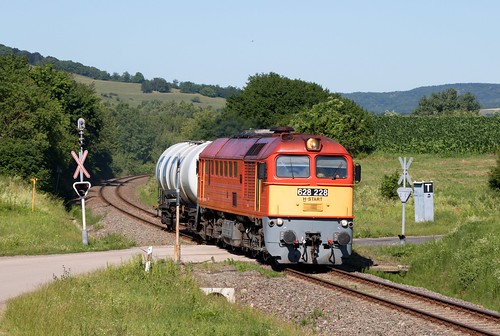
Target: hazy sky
<point x="344" y="46"/>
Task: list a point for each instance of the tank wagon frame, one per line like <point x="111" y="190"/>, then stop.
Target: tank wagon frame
<point x="273" y="193"/>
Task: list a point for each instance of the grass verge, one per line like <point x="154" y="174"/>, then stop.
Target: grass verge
<point x="126" y="300"/>
<point x="49" y="229"/>
<point x="460" y="192"/>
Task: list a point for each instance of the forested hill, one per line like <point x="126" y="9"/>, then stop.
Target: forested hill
<point x="404" y="102"/>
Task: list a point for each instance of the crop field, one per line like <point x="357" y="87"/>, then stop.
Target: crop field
<point x="130" y="93"/>
<point x="444" y="135"/>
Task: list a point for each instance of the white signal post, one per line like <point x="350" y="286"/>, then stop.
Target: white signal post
<point x="82" y="187"/>
<point x="404" y="193"/>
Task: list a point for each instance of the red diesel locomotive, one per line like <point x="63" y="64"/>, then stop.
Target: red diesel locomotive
<point x="274" y="193"/>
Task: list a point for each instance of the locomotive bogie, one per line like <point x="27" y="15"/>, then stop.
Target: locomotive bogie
<point x="308" y="241"/>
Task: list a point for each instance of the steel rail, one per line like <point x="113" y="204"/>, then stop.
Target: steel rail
<point x="471" y="329"/>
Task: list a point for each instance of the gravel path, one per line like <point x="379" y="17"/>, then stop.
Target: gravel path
<point x="317" y="309"/>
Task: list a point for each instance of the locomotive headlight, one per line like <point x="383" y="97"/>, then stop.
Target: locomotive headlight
<point x="313" y="144"/>
<point x="344" y="223"/>
<point x="279" y="221"/>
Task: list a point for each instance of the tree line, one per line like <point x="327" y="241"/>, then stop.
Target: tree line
<point x="39" y="107"/>
<point x="212" y="91"/>
<point x="157" y="84"/>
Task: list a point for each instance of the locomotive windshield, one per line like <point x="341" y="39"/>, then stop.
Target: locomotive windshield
<point x="292" y="166"/>
<point x="331" y="167"/>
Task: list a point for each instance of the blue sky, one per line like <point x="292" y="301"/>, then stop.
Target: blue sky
<point x="344" y="46"/>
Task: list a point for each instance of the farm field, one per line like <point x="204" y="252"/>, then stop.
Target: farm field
<point x="130" y="93"/>
<point x="461" y="194"/>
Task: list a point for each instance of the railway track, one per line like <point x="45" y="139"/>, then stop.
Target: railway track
<point x="112" y="194"/>
<point x="464" y="318"/>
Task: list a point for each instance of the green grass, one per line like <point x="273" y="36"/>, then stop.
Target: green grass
<point x="466" y="263"/>
<point x="148" y="193"/>
<point x="126" y="300"/>
<point x="48" y="229"/>
<point x="460" y="192"/>
<point x="130" y="93"/>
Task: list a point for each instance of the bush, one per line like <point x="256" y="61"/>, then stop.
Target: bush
<point x="389" y="186"/>
<point x="494" y="178"/>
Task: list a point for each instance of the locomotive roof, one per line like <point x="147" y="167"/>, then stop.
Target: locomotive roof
<point x="259" y="144"/>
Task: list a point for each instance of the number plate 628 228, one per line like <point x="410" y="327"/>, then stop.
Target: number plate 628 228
<point x="312" y="192"/>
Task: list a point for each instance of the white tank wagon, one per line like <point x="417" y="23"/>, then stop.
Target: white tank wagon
<point x="185" y="155"/>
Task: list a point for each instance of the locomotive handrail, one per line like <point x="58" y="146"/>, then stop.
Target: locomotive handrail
<point x="287" y="183"/>
<point x="336" y="185"/>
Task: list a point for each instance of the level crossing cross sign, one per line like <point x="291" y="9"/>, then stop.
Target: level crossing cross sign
<point x="405" y="176"/>
<point x="79" y="162"/>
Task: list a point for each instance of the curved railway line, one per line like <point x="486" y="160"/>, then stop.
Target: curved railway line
<point x="462" y="317"/>
<point x="115" y="199"/>
<point x="111" y="194"/>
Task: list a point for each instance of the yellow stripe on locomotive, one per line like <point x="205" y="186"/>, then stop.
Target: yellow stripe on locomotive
<point x="293" y="201"/>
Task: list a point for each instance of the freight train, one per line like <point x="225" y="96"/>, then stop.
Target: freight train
<point x="281" y="195"/>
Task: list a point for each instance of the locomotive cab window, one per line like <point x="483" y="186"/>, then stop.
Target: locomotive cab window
<point x="331" y="167"/>
<point x="292" y="166"/>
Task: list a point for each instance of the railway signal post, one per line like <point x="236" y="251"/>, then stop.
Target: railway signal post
<point x="404" y="193"/>
<point x="81" y="188"/>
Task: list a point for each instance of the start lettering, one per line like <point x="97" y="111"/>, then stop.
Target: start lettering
<point x="311" y="199"/>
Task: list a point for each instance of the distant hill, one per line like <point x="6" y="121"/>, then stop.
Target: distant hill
<point x="404" y="102"/>
<point x="147" y="86"/>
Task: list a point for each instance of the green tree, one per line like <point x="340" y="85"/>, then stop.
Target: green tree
<point x="340" y="119"/>
<point x="270" y="100"/>
<point x="138" y="78"/>
<point x="126" y="77"/>
<point x="208" y="91"/>
<point x="146" y="87"/>
<point x="189" y="87"/>
<point x="33" y="135"/>
<point x="39" y="108"/>
<point x="447" y="102"/>
<point x="135" y="135"/>
<point x="78" y="101"/>
<point x="167" y="120"/>
<point x="201" y="126"/>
